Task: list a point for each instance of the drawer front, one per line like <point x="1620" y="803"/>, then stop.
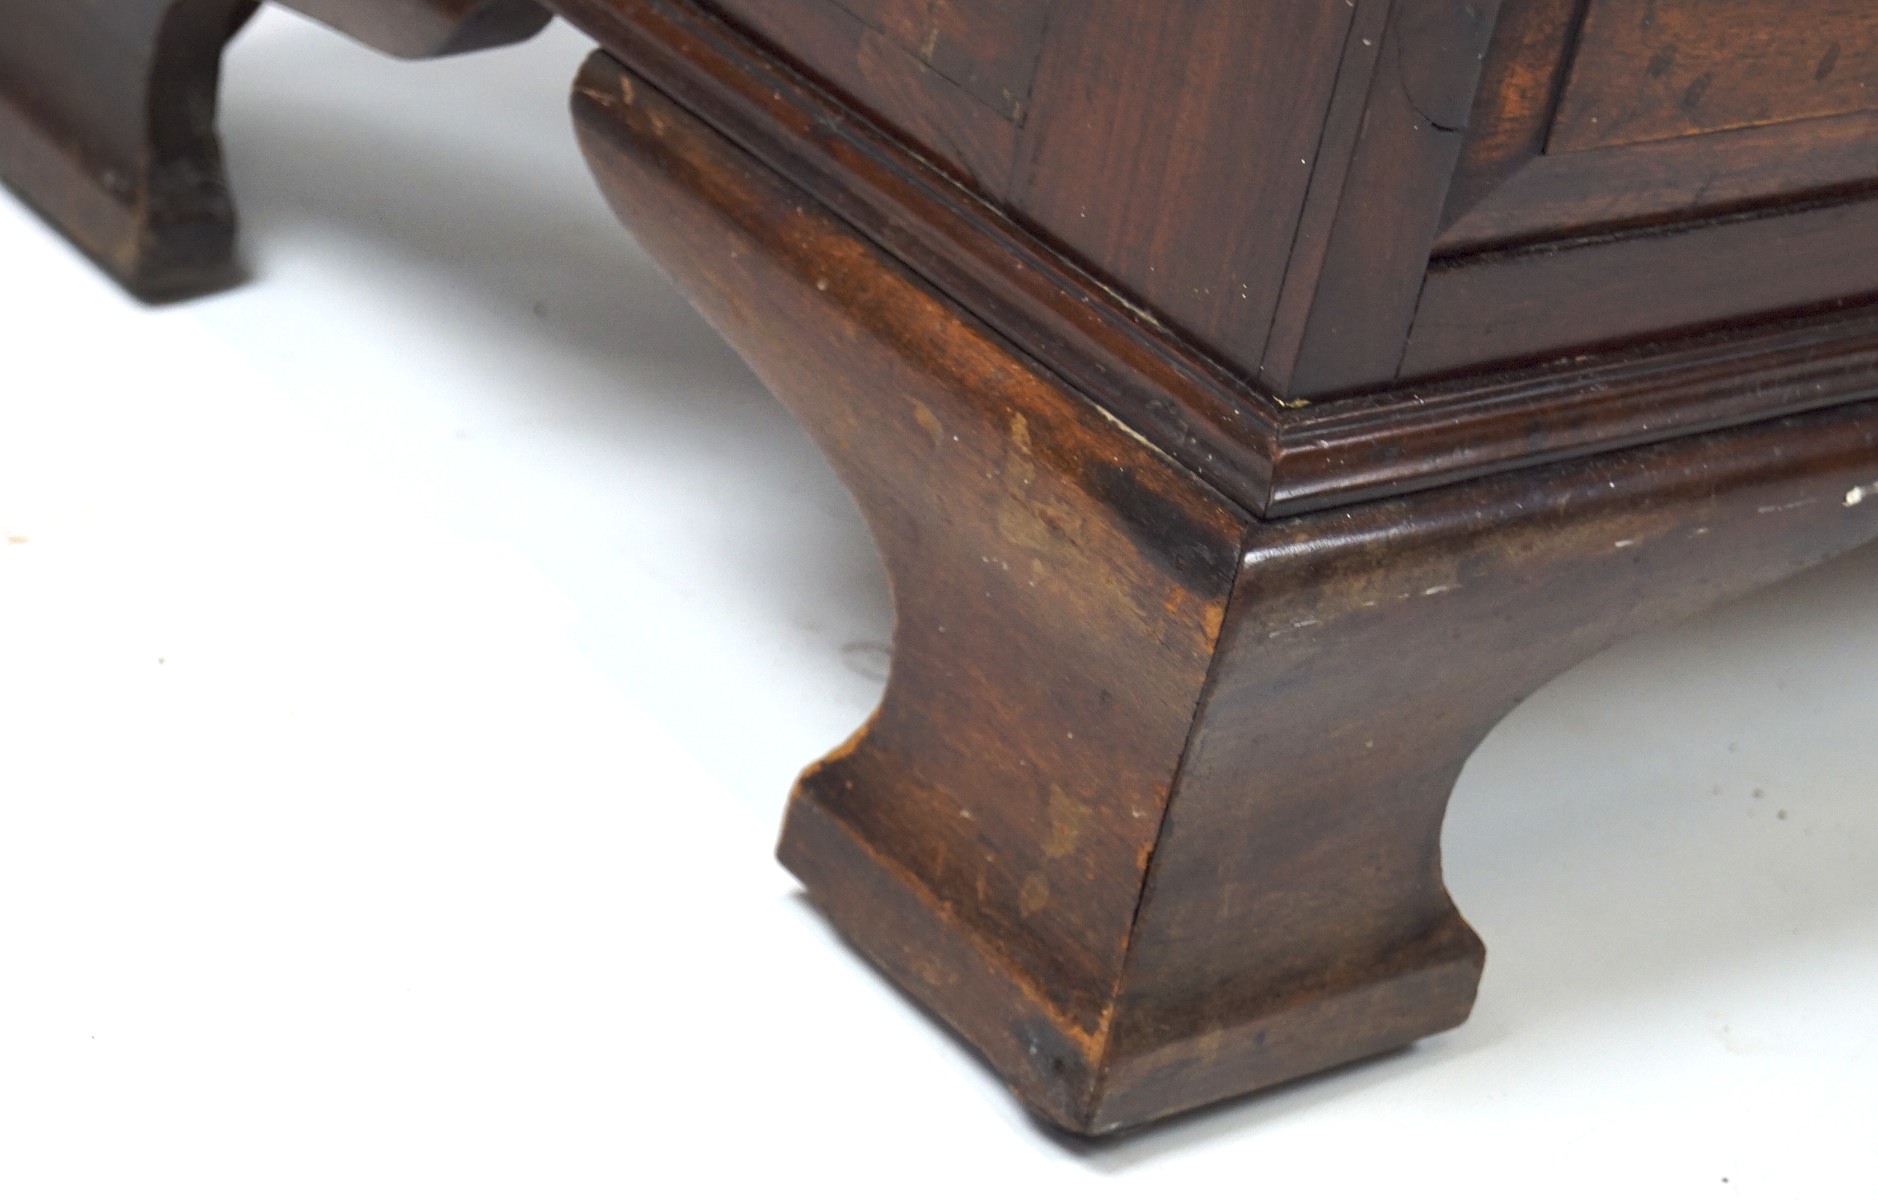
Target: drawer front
<point x="1616" y="114"/>
<point x="1648" y="70"/>
<point x="1643" y="167"/>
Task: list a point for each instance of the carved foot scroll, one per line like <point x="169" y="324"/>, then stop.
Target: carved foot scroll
<point x="107" y="117"/>
<point x="1151" y="811"/>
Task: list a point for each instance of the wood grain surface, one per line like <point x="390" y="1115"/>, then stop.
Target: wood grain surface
<point x="1167" y="146"/>
<point x="1058" y="585"/>
<point x="1206" y="590"/>
<point x="1648" y="70"/>
<point x="1151" y="811"/>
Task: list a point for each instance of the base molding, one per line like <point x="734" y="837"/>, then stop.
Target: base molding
<point x="1272" y="454"/>
<point x="912" y="936"/>
<point x="1066" y="1074"/>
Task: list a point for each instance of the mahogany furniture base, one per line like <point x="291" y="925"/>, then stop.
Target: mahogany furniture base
<point x="1151" y="810"/>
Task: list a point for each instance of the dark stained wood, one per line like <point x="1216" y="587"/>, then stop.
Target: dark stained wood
<point x="1557" y="297"/>
<point x="1169" y="150"/>
<point x="1363" y="296"/>
<point x="107" y="117"/>
<point x="1323" y="220"/>
<point x="1512" y="189"/>
<point x="1512" y="114"/>
<point x="1648" y="70"/>
<point x="1756" y="200"/>
<point x="1204" y="599"/>
<point x="1202" y="415"/>
<point x="1271" y="452"/>
<point x="897" y="60"/>
<point x="1150" y="813"/>
<point x="106" y="127"/>
<point x="990" y="48"/>
<point x="1426" y="435"/>
<point x="1295" y="915"/>
<point x="1059" y="588"/>
<point x="429" y="28"/>
<point x="987" y="48"/>
<point x="1677" y="181"/>
<point x="1170" y="147"/>
<point x="1166" y="147"/>
<point x="1267" y="457"/>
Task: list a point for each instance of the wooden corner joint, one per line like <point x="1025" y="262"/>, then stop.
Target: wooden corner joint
<point x="1151" y="810"/>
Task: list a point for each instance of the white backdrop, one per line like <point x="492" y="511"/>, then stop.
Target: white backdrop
<point x="404" y="659"/>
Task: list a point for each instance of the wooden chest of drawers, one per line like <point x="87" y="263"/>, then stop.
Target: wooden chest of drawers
<point x="1333" y="201"/>
<point x="1253" y="402"/>
<point x="1339" y="196"/>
